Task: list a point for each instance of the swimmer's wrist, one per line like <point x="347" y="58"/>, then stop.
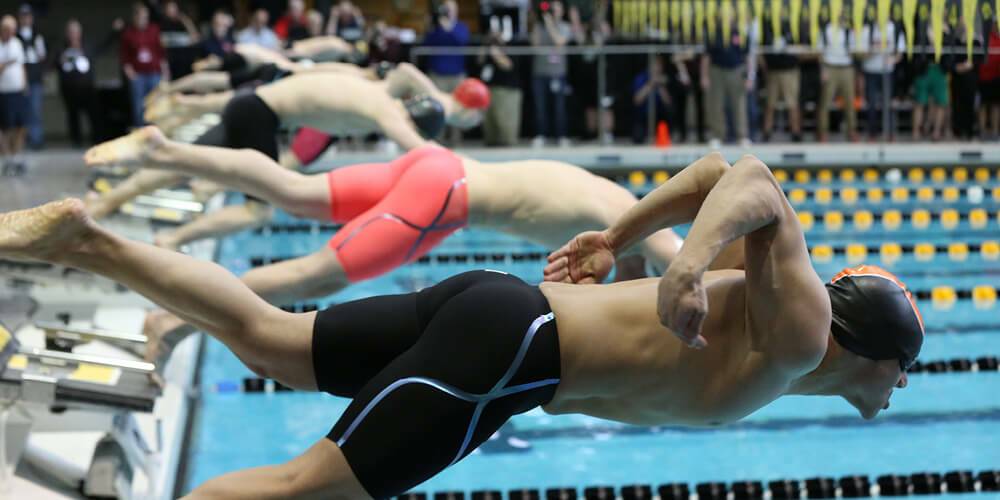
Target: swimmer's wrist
<point x="614" y="242"/>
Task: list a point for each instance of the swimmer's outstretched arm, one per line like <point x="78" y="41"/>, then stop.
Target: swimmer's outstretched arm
<point x="588" y="258"/>
<point x="787" y="307"/>
<point x="226" y="220"/>
<point x="201" y="82"/>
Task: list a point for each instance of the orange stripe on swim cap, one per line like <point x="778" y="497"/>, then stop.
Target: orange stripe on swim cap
<point x="872" y="270"/>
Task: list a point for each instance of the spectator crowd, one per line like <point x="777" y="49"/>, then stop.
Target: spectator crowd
<point x="749" y="80"/>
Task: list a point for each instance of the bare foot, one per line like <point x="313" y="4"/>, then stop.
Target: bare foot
<point x="158" y="109"/>
<point x="163" y="332"/>
<point x="203" y="189"/>
<point x="95" y="206"/>
<point x="45" y="233"/>
<point x="132" y="149"/>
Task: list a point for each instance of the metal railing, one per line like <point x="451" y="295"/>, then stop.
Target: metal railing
<point x="651" y="50"/>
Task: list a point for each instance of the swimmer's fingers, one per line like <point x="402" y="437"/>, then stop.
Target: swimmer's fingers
<point x="557" y="270"/>
<point x="560" y="253"/>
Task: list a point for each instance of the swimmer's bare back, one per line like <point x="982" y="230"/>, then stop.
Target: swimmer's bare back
<point x="766" y="328"/>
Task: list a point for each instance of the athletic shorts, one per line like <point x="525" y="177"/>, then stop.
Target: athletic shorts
<point x="247" y="122"/>
<point x="309" y="144"/>
<point x="433" y="374"/>
<point x="13" y="110"/>
<point x="394" y="213"/>
<point x="933" y="84"/>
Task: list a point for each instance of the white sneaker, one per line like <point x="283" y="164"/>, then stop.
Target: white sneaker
<point x="745" y="143"/>
<point x="564" y="142"/>
<point x="714" y="144"/>
<point x="538" y="142"/>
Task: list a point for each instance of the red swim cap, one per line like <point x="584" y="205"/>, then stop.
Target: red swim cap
<point x="472" y="94"/>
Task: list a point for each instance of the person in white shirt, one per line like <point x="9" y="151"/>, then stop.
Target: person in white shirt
<point x="882" y="52"/>
<point x="257" y="33"/>
<point x="35" y="54"/>
<point x="13" y="98"/>
<point x="837" y="76"/>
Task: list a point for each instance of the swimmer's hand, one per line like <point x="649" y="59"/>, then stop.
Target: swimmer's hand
<point x="587" y="258"/>
<point x="682" y="304"/>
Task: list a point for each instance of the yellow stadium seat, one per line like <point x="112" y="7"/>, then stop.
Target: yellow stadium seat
<point x="960" y="174"/>
<point x="925" y="194"/>
<point x="892" y="219"/>
<point x="856" y="253"/>
<point x="924" y="252"/>
<point x="890" y="253"/>
<point x="978" y="218"/>
<point x="920" y="219"/>
<point x="802" y="176"/>
<point x="943" y="297"/>
<point x="875" y="195"/>
<point x="849" y="195"/>
<point x="996" y="194"/>
<point x="990" y="250"/>
<point x="848" y="175"/>
<point x="833" y="220"/>
<point x="822" y="253"/>
<point x="950" y="218"/>
<point x="781" y="176"/>
<point x="982" y="175"/>
<point x="806" y="220"/>
<point x="637" y="179"/>
<point x="871" y="175"/>
<point x="660" y="176"/>
<point x="958" y="251"/>
<point x="797" y="196"/>
<point x="824" y="196"/>
<point x="950" y="194"/>
<point x="900" y="194"/>
<point x="825" y="176"/>
<point x="939" y="175"/>
<point x="984" y="296"/>
<point x="863" y="220"/>
<point x="916" y="175"/>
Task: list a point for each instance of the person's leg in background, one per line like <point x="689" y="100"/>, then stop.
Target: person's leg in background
<point x="19" y="131"/>
<point x="827" y="88"/>
<point x="939" y="94"/>
<point x="508" y="120"/>
<point x="790" y="86"/>
<point x="559" y="90"/>
<point x="715" y="110"/>
<point x="772" y="87"/>
<point x="136" y="99"/>
<point x="73" y="110"/>
<point x="736" y="94"/>
<point x="36" y="133"/>
<point x="921" y="95"/>
<point x="678" y="121"/>
<point x="873" y="104"/>
<point x="963" y="108"/>
<point x="848" y="85"/>
<point x="540" y="94"/>
<point x="491" y="118"/>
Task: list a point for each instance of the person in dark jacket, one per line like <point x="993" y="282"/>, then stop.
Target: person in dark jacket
<point x="75" y="65"/>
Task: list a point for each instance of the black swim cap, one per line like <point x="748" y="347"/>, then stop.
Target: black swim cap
<point x="875" y="316"/>
<point x="427" y="114"/>
<point x="383" y="68"/>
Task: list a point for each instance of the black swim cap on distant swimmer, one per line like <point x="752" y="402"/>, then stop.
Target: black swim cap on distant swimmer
<point x="233" y="61"/>
<point x="875" y="316"/>
<point x="383" y="68"/>
<point x="427" y="114"/>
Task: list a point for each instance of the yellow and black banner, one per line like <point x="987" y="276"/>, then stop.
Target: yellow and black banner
<point x="692" y="21"/>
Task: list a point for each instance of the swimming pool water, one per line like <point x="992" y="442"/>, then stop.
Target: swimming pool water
<point x="941" y="422"/>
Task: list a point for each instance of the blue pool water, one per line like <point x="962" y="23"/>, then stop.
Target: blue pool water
<point x="941" y="422"/>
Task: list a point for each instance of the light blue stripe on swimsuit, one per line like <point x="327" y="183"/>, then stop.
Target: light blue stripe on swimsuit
<point x="481" y="400"/>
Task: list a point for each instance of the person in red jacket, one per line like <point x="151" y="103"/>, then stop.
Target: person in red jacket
<point x="143" y="59"/>
<point x="293" y="25"/>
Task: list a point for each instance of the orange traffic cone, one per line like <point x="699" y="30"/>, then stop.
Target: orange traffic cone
<point x="663" y="135"/>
